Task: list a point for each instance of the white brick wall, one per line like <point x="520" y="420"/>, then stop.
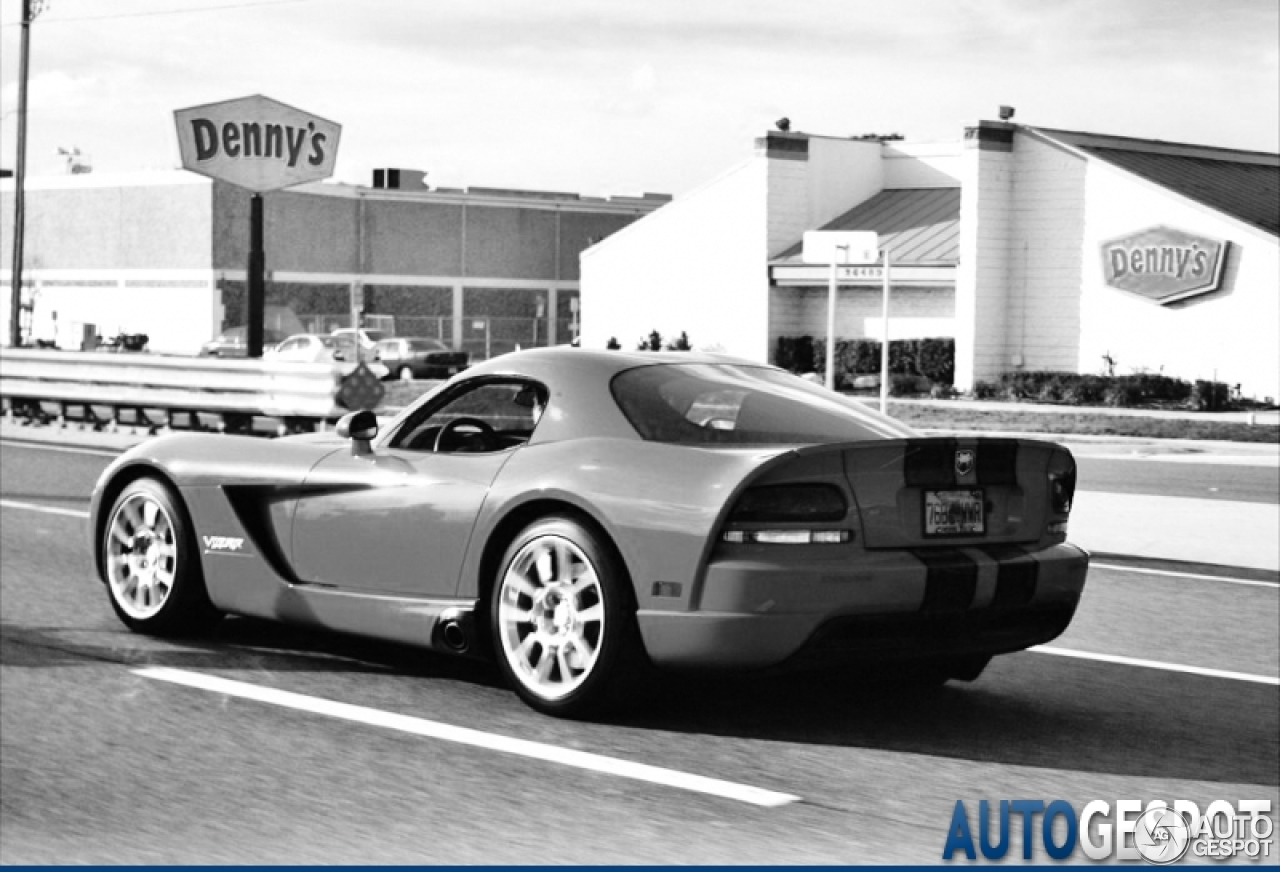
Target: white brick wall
<point x="914" y="313"/>
<point x="788" y="202"/>
<point x="982" y="277"/>
<point x="1046" y="228"/>
<point x="1232" y="332"/>
<point x="923" y="165"/>
<point x="697" y="264"/>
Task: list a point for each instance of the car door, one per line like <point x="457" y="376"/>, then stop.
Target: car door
<point x="398" y="521"/>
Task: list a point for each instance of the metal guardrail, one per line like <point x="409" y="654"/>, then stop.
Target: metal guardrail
<point x="301" y="394"/>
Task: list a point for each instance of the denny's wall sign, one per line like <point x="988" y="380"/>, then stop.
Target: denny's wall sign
<point x="257" y="143"/>
<point x="1164" y="264"/>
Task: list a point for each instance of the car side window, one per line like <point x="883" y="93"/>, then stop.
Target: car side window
<point x="485" y="417"/>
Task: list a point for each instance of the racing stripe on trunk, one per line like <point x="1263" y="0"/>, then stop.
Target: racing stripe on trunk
<point x="933" y="462"/>
<point x="951" y="579"/>
<point x="930" y="463"/>
<point x="998" y="462"/>
<point x="1017" y="576"/>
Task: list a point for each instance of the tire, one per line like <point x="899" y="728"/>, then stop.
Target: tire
<point x="562" y="618"/>
<point x="153" y="574"/>
<point x="405" y="374"/>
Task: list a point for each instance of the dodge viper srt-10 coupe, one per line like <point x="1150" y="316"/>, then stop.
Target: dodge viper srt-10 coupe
<point x="582" y="517"/>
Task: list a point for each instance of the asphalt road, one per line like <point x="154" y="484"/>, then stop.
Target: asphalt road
<point x="101" y="764"/>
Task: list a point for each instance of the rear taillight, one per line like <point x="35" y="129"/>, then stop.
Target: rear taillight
<point x="1062" y="491"/>
<point x="790" y="504"/>
<point x="795" y="505"/>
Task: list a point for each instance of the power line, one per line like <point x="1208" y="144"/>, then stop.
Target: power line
<point x="156" y="12"/>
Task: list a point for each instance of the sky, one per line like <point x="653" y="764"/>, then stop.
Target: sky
<point x="608" y="97"/>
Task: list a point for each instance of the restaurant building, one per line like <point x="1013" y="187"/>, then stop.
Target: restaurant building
<point x="1034" y="248"/>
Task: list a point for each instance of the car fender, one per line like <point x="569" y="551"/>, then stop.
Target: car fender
<point x="658" y="503"/>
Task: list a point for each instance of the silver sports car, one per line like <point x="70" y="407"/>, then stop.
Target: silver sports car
<point x="585" y="516"/>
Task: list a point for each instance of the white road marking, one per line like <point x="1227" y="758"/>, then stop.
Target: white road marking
<point x="1157" y="664"/>
<point x="474" y="738"/>
<point x="1173" y="574"/>
<point x="48" y="510"/>
<point x="67" y="449"/>
<point x="1259" y="460"/>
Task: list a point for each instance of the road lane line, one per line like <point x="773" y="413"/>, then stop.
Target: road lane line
<point x="1157" y="664"/>
<point x="474" y="738"/>
<point x="67" y="449"/>
<point x="1171" y="573"/>
<point x="49" y="510"/>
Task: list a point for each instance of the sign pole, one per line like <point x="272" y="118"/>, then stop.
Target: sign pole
<point x="257" y="296"/>
<point x="19" y="181"/>
<point x="831" y="328"/>
<point x="884" y="341"/>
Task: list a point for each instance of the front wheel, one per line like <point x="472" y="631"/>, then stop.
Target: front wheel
<point x="562" y="621"/>
<point x="152" y="571"/>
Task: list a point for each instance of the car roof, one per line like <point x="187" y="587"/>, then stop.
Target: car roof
<point x="579" y="379"/>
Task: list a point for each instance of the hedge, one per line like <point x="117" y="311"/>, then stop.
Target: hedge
<point x="932" y="358"/>
<point x="1075" y="389"/>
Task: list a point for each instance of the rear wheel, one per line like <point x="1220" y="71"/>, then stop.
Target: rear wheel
<point x="562" y="621"/>
<point x="153" y="572"/>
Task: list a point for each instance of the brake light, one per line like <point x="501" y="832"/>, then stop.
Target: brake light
<point x="790" y="504"/>
<point x="799" y="504"/>
<point x="1062" y="491"/>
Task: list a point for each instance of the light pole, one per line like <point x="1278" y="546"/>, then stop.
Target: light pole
<point x="30" y="9"/>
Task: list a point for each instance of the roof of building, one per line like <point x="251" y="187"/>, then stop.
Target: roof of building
<point x="916" y="225"/>
<point x="1242" y="184"/>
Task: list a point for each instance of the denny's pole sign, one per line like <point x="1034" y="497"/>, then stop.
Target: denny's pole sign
<point x="258" y="144"/>
<point x="1164" y="264"/>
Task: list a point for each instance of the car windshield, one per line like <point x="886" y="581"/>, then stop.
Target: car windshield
<point x="427" y="345"/>
<point x="694" y="404"/>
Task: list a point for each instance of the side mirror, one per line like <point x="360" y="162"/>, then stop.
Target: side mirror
<point x="361" y="428"/>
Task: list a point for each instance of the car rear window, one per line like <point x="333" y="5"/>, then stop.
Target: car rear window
<point x="695" y="404"/>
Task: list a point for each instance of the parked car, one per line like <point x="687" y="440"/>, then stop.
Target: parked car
<point x="368" y="338"/>
<point x="234" y="342"/>
<point x="314" y="348"/>
<point x="584" y="516"/>
<point x="417" y="357"/>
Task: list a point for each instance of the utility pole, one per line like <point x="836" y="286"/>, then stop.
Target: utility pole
<point x="30" y="9"/>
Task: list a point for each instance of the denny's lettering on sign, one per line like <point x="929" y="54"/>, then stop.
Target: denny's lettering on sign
<point x="257" y="143"/>
<point x="1164" y="264"/>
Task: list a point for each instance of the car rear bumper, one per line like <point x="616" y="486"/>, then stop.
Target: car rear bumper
<point x="757" y="613"/>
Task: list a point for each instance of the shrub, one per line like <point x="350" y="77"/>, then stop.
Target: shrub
<point x="652" y="342"/>
<point x="983" y="390"/>
<point x="680" y="343"/>
<point x="1210" y="396"/>
<point x="613" y="344"/>
<point x="795" y="353"/>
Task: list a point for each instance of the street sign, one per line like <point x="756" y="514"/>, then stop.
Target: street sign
<point x="361" y="389"/>
<point x="257" y="143"/>
<point x="841" y="246"/>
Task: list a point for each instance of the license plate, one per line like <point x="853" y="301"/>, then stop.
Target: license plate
<point x="954" y="513"/>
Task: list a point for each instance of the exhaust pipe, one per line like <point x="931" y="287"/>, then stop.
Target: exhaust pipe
<point x="454" y="630"/>
<point x="454" y="637"/>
